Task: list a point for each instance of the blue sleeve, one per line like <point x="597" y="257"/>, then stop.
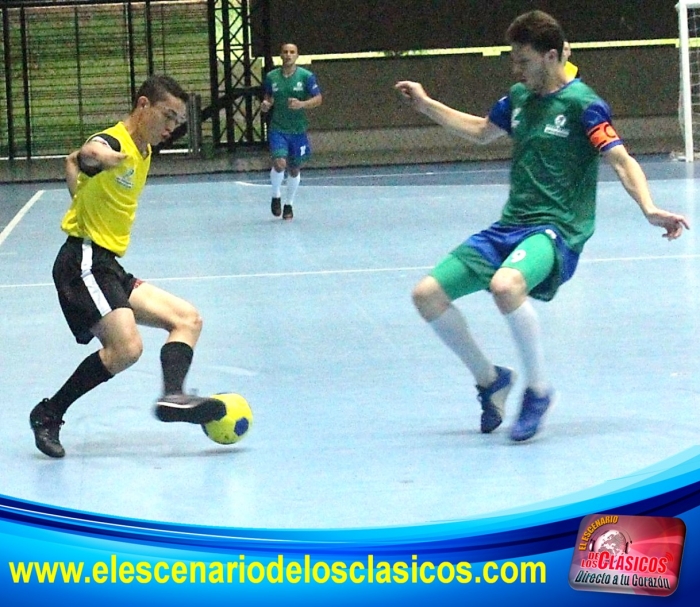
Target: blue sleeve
<point x="268" y="85"/>
<point x="500" y="114"/>
<point x="312" y="87"/>
<point x="596" y="113"/>
<point x="597" y="122"/>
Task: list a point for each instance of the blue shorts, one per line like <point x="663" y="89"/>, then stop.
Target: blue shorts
<point x="470" y="267"/>
<point x="498" y="241"/>
<point x="294" y="147"/>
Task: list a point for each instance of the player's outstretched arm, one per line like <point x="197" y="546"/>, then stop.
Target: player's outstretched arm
<point x="267" y="103"/>
<point x="96" y="156"/>
<point x="635" y="182"/>
<point x="309" y="104"/>
<point x="475" y="128"/>
<point x="72" y="170"/>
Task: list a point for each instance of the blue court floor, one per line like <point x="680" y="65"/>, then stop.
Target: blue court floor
<point x="362" y="417"/>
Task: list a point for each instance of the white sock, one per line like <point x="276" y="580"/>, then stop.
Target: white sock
<point x="451" y="328"/>
<point x="292" y="186"/>
<point x="276" y="180"/>
<point x="525" y="327"/>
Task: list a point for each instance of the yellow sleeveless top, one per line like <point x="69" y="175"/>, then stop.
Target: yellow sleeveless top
<point x="104" y="206"/>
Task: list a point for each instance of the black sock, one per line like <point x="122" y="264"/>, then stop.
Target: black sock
<point x="89" y="374"/>
<point x="176" y="358"/>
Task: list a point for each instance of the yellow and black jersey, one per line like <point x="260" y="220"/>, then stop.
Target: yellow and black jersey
<point x="104" y="205"/>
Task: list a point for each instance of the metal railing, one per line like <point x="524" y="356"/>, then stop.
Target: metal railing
<point x="70" y="68"/>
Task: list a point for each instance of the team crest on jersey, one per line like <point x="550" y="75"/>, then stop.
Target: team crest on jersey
<point x="558" y="128"/>
<point x="127" y="179"/>
<point x="299" y="86"/>
<point x="514" y="120"/>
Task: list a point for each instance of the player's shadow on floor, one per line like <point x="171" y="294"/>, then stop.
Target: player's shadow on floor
<point x="593" y="427"/>
<point x="99" y="450"/>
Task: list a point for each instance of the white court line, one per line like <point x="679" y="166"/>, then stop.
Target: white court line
<point x="641" y="258"/>
<point x="265" y="181"/>
<point x="350" y="271"/>
<point x="17" y="218"/>
<point x="263" y="184"/>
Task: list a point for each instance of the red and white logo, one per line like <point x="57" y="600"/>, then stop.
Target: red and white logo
<point x="628" y="554"/>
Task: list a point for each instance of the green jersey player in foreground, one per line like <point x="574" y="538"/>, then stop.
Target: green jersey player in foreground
<point x="559" y="128"/>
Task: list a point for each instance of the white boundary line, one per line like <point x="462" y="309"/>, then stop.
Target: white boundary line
<point x="264" y="181"/>
<point x="352" y="271"/>
<point x="17" y="218"/>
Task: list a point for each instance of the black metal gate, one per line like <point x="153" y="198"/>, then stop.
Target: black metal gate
<point x="236" y="73"/>
<point x="69" y="68"/>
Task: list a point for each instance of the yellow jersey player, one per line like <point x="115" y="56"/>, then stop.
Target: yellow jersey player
<point x="97" y="296"/>
<point x="570" y="69"/>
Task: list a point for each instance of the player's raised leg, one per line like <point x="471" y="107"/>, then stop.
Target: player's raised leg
<point x="431" y="298"/>
<point x="527" y="266"/>
<point x="155" y="307"/>
<point x="121" y="348"/>
<point x="278" y="153"/>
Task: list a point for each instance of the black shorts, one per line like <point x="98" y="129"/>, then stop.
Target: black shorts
<point x="90" y="283"/>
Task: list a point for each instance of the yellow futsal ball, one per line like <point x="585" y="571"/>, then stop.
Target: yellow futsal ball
<point x="233" y="426"/>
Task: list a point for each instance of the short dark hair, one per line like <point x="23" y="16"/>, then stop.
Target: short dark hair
<point x="539" y="30"/>
<point x="157" y="87"/>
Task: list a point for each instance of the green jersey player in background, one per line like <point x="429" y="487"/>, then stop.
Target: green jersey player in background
<point x="290" y="90"/>
<point x="559" y="128"/>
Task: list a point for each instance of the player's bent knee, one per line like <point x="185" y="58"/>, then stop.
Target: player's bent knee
<point x="507" y="284"/>
<point x="429" y="299"/>
<point x="190" y="320"/>
<point x="133" y="353"/>
<point x="508" y="289"/>
<point x="197" y="322"/>
<point x="124" y="355"/>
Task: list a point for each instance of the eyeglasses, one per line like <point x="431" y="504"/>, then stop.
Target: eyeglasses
<point x="171" y="115"/>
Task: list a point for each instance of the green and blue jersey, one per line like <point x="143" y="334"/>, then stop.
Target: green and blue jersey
<point x="557" y="140"/>
<point x="302" y="85"/>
